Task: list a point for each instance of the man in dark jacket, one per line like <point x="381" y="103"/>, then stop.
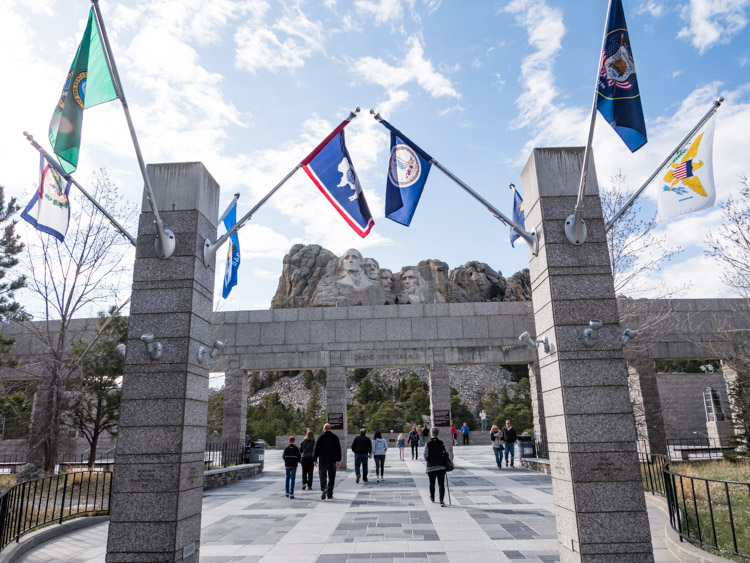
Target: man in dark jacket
<point x="509" y="436"/>
<point x="362" y="448"/>
<point x="327" y="456"/>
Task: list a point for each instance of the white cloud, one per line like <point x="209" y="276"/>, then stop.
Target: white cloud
<point x="287" y="43"/>
<point x="712" y="21"/>
<point x="383" y="11"/>
<point x="652" y="7"/>
<point x="414" y="67"/>
<point x="677" y="73"/>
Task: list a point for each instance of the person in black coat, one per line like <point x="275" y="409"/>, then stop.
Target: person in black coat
<point x="433" y="455"/>
<point x="291" y="456"/>
<point x="327" y="456"/>
<point x="362" y="448"/>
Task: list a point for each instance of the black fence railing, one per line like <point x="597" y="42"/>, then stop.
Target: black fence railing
<point x="709" y="512"/>
<point x="223" y="454"/>
<point x="652" y="469"/>
<point x="31" y="504"/>
<point x="696" y="449"/>
<point x="540" y="447"/>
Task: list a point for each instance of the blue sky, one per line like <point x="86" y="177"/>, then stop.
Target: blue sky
<point x="250" y="87"/>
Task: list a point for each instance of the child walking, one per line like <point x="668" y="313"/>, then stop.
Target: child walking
<point x="292" y="457"/>
<point x="401" y="445"/>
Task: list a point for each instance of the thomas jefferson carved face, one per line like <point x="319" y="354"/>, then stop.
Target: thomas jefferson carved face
<point x="371" y="268"/>
<point x="351" y="261"/>
<point x="386" y="280"/>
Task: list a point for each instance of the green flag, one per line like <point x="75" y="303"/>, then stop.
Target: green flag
<point x="89" y="83"/>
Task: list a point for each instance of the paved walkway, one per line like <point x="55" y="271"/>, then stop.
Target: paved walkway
<point x="496" y="515"/>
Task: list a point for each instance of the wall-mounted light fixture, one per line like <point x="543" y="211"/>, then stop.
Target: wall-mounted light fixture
<point x="591" y="334"/>
<point x="121" y="349"/>
<point x="154" y="348"/>
<point x="628" y="335"/>
<point x="708" y="368"/>
<point x="531" y="343"/>
<point x="204" y="354"/>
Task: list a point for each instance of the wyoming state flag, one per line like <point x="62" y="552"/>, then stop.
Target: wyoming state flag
<point x="330" y="168"/>
<point x="408" y="168"/>
<point x="618" y="96"/>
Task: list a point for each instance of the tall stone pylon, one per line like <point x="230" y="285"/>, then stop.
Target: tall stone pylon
<point x="600" y="507"/>
<point x="156" y="501"/>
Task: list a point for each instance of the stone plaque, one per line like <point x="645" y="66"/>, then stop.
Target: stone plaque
<point x="336" y="420"/>
<point x="442" y="417"/>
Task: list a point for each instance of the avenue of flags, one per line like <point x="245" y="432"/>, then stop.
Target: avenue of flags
<point x="684" y="181"/>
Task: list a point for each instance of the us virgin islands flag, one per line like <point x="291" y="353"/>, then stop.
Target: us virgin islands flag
<point x="233" y="253"/>
<point x="408" y="168"/>
<point x="330" y="168"/>
<point x="619" y="99"/>
<point x="49" y="209"/>
<point x="687" y="183"/>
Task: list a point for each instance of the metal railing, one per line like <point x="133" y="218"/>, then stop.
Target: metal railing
<point x="31" y="504"/>
<point x="540" y="447"/>
<point x="223" y="454"/>
<point x="709" y="512"/>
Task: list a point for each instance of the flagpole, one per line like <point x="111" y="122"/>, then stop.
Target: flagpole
<point x="531" y="238"/>
<point x="165" y="243"/>
<point x="210" y="248"/>
<point x="575" y="226"/>
<point x="229" y="207"/>
<point x="53" y="163"/>
<point x="637" y="194"/>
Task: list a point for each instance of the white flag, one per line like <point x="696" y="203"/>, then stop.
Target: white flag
<point x="687" y="183"/>
<point x="49" y="209"/>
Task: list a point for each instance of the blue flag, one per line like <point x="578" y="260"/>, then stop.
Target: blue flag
<point x="518" y="217"/>
<point x="233" y="253"/>
<point x="49" y="209"/>
<point x="619" y="99"/>
<point x="330" y="168"/>
<point x="408" y="168"/>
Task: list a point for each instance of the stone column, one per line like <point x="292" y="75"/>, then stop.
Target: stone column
<point x="336" y="405"/>
<point x="644" y="394"/>
<point x="236" y="389"/>
<point x="732" y="373"/>
<point x="440" y="398"/>
<point x="155" y="508"/>
<point x="599" y="502"/>
<point x="537" y="403"/>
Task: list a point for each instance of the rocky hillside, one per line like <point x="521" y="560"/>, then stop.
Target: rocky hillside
<point x="472" y="382"/>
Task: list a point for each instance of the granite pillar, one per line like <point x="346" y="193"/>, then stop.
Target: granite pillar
<point x="644" y="394"/>
<point x="440" y="398"/>
<point x="537" y="402"/>
<point x="155" y="506"/>
<point x="236" y="389"/>
<point x="600" y="507"/>
<point x="336" y="407"/>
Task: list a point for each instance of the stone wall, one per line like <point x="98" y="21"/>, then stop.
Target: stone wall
<point x="682" y="402"/>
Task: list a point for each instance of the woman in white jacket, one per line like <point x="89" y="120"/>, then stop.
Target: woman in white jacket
<point x="379" y="447"/>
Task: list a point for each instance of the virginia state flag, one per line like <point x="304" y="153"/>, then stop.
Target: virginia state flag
<point x="619" y="99"/>
<point x="330" y="168"/>
<point x="233" y="253"/>
<point x="408" y="168"/>
<point x="518" y="216"/>
<point x="89" y="83"/>
<point x="49" y="209"/>
<point x="686" y="184"/>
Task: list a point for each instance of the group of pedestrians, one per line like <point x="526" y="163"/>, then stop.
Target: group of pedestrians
<point x="325" y="453"/>
<point x="364" y="449"/>
<point x="504" y="440"/>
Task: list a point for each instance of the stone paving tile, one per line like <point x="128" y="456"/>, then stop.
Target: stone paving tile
<point x="495" y="498"/>
<point x="403" y="557"/>
<point x="250" y="528"/>
<point x="402" y="498"/>
<point x="378" y="526"/>
<point x="500" y="524"/>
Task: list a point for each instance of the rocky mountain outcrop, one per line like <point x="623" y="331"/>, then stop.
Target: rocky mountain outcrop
<point x="314" y="277"/>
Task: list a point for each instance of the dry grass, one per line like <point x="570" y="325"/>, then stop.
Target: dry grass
<point x="6" y="482"/>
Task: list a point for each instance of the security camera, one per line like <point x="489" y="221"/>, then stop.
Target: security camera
<point x="591" y="334"/>
<point x="154" y="348"/>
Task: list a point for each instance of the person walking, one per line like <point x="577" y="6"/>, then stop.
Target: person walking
<point x="483" y="417"/>
<point x="379" y="447"/>
<point x="291" y="456"/>
<point x="465" y="431"/>
<point x="327" y="456"/>
<point x="362" y="448"/>
<point x="434" y="451"/>
<point x="425" y="435"/>
<point x="454" y="433"/>
<point x="413" y="440"/>
<point x="401" y="443"/>
<point x="496" y="438"/>
<point x="306" y="448"/>
<point x="509" y="437"/>
<point x="419" y="431"/>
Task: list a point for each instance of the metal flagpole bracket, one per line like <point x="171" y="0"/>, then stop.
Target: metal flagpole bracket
<point x="165" y="242"/>
<point x="575" y="229"/>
